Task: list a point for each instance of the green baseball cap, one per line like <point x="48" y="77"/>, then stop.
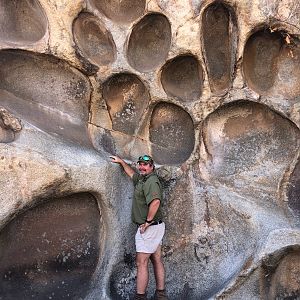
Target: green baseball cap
<point x="147" y="159"/>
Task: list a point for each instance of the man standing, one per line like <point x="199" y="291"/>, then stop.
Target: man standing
<point x="146" y="213"/>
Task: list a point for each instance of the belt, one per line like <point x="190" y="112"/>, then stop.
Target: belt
<point x="156" y="222"/>
<point x="153" y="223"/>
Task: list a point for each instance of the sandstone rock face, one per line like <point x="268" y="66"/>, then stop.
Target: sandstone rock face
<point x="210" y="89"/>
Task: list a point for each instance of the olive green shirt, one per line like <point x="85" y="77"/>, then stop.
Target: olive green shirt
<point x="146" y="189"/>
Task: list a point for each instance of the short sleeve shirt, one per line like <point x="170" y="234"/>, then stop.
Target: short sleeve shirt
<point x="146" y="189"/>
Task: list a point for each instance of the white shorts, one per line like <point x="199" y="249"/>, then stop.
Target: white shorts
<point x="149" y="241"/>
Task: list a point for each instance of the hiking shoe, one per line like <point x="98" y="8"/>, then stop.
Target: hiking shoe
<point x="140" y="297"/>
<point x="160" y="295"/>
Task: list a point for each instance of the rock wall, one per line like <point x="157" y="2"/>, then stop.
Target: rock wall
<point x="211" y="89"/>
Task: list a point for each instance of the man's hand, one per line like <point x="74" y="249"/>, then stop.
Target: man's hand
<point x="128" y="170"/>
<point x="116" y="159"/>
<point x="143" y="227"/>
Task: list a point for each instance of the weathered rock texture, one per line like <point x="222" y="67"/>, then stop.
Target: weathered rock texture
<point x="211" y="89"/>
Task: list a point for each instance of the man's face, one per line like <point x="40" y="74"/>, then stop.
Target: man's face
<point x="145" y="168"/>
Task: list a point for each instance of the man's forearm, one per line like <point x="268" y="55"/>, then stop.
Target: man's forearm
<point x="153" y="207"/>
<point x="128" y="170"/>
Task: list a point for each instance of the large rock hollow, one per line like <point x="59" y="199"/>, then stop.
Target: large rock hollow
<point x="126" y="97"/>
<point x="52" y="250"/>
<point x="94" y="40"/>
<point x="46" y="92"/>
<point x="22" y="21"/>
<point x="219" y="35"/>
<point x="261" y="52"/>
<point x="243" y="139"/>
<point x="171" y="133"/>
<point x="149" y="42"/>
<point x="270" y="60"/>
<point x="121" y="11"/>
<point x="182" y="78"/>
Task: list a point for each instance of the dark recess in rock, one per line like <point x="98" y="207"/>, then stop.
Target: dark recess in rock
<point x="245" y="137"/>
<point x="126" y="97"/>
<point x="149" y="42"/>
<point x="218" y="31"/>
<point x="124" y="11"/>
<point x="22" y="21"/>
<point x="94" y="40"/>
<point x="182" y="77"/>
<point x="270" y="64"/>
<point x="171" y="134"/>
<point x="259" y="64"/>
<point x="51" y="250"/>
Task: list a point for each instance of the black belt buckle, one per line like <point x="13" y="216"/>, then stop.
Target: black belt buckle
<point x="156" y="222"/>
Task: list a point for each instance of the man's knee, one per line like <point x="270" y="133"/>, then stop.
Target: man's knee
<point x="142" y="259"/>
<point x="156" y="257"/>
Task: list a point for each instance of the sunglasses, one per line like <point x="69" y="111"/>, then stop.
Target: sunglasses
<point x="145" y="158"/>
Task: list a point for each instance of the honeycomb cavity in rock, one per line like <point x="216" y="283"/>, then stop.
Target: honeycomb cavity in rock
<point x="171" y="134"/>
<point x="270" y="64"/>
<point x="149" y="42"/>
<point x="51" y="250"/>
<point x="94" y="40"/>
<point x="244" y="137"/>
<point x="219" y="44"/>
<point x="261" y="52"/>
<point x="46" y="92"/>
<point x="123" y="11"/>
<point x="182" y="77"/>
<point x="22" y="21"/>
<point x="126" y="97"/>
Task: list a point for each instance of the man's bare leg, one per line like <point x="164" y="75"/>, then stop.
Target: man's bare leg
<point x="159" y="270"/>
<point x="142" y="260"/>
